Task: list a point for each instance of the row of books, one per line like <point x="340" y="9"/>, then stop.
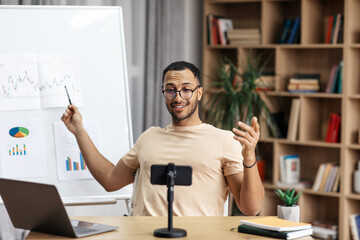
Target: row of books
<point x="355" y="226"/>
<point x="327" y="178"/>
<point x="303" y="82"/>
<point x="335" y="29"/>
<point x="217" y="28"/>
<point x="324" y="230"/>
<point x="333" y="129"/>
<point x="291" y="31"/>
<point x="334" y="84"/>
<point x="244" y="36"/>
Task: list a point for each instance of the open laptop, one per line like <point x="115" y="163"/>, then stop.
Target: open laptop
<point x="38" y="207"/>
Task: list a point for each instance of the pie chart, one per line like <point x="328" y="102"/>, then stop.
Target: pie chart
<point x="19" y="132"/>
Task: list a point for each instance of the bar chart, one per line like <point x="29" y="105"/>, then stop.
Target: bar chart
<point x="75" y="166"/>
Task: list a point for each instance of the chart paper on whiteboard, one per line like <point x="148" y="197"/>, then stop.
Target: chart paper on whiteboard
<point x="33" y="81"/>
<point x="22" y="148"/>
<point x="70" y="162"/>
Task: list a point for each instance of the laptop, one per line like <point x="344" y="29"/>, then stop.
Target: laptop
<point x="38" y="207"/>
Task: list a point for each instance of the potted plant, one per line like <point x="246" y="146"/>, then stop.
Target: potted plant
<point x="236" y="97"/>
<point x="289" y="210"/>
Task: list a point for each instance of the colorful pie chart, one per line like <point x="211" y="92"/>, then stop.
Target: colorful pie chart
<point x="19" y="132"/>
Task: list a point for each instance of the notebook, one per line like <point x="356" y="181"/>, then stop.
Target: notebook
<point x="38" y="207"/>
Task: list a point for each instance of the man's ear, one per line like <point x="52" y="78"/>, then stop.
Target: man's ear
<point x="200" y="93"/>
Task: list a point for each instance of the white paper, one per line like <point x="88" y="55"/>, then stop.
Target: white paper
<point x="70" y="166"/>
<point x="57" y="70"/>
<point x="33" y="81"/>
<point x="19" y="83"/>
<point x="22" y="157"/>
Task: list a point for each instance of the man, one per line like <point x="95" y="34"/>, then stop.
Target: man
<point x="216" y="155"/>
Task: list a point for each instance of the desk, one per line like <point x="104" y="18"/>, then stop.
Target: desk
<point x="142" y="228"/>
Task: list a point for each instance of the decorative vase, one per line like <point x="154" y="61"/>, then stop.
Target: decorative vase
<point x="291" y="213"/>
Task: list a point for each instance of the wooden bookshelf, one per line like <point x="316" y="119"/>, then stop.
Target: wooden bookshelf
<point x="311" y="55"/>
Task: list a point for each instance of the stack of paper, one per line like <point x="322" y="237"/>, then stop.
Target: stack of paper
<point x="275" y="227"/>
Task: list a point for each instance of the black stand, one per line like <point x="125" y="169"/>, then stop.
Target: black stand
<point x="170" y="232"/>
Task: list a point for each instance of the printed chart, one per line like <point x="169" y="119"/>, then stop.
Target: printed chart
<point x="33" y="81"/>
<point x="70" y="162"/>
<point x="22" y="154"/>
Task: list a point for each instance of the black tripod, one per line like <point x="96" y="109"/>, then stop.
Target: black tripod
<point x="169" y="172"/>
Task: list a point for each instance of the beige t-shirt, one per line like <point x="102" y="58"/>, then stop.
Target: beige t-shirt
<point x="212" y="153"/>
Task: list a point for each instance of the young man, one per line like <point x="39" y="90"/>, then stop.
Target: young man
<point x="217" y="157"/>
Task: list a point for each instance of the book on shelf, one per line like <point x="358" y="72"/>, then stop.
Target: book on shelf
<point x="243" y="33"/>
<point x="355" y="226"/>
<point x="333" y="128"/>
<point x="224" y="25"/>
<point x="324" y="230"/>
<point x="274" y="234"/>
<point x="275" y="224"/>
<point x="294" y="36"/>
<point x="265" y="83"/>
<point x="329" y="29"/>
<point x="294" y="118"/>
<point x="289" y="169"/>
<point x="302" y="82"/>
<point x="217" y="27"/>
<point x="327" y="177"/>
<point x="336" y="28"/>
<point x="244" y="36"/>
<point x="290" y="33"/>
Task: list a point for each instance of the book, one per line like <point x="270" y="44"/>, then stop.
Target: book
<point x="329" y="29"/>
<point x="337" y="181"/>
<point x="282" y="168"/>
<point x="275" y="234"/>
<point x="319" y="176"/>
<point x="333" y="129"/>
<point x="355" y="226"/>
<point x="295" y="28"/>
<point x="332" y="77"/>
<point x="224" y="25"/>
<point x="292" y="168"/>
<point x="306" y="76"/>
<point x="294" y="119"/>
<point x="275" y="224"/>
<point x="324" y="233"/>
<point x="336" y="29"/>
<point x="286" y="30"/>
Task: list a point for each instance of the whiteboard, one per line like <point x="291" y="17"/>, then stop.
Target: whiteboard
<point x="96" y="34"/>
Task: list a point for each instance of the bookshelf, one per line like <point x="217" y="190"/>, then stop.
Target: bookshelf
<point x="311" y="55"/>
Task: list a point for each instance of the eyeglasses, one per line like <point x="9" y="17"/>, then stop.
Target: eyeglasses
<point x="185" y="93"/>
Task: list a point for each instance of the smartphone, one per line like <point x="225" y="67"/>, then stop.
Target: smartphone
<point x="159" y="175"/>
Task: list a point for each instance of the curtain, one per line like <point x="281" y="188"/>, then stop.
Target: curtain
<point x="164" y="45"/>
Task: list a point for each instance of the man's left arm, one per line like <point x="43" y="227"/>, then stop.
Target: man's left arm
<point x="247" y="187"/>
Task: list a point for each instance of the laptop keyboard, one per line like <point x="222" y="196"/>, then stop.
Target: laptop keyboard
<point x="82" y="230"/>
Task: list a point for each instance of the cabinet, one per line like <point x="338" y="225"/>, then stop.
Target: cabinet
<point x="311" y="55"/>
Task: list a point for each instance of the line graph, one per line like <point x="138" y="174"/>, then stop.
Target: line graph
<point x="39" y="78"/>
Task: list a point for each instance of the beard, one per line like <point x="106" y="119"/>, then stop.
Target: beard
<point x="192" y="108"/>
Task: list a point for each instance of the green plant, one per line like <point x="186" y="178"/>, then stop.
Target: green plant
<point x="287" y="196"/>
<point x="236" y="98"/>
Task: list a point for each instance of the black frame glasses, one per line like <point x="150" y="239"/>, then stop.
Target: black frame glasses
<point x="170" y="94"/>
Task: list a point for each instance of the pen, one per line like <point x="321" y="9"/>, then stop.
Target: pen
<point x="68" y="95"/>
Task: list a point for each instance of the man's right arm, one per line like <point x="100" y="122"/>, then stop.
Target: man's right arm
<point x="109" y="176"/>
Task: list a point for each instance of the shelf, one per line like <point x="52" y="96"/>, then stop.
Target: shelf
<point x="231" y="1"/>
<point x="309" y="95"/>
<point x="310" y="56"/>
<point x="354" y="96"/>
<point x="354" y="146"/>
<point x="317" y="193"/>
<point x="309" y="143"/>
<point x="353" y="196"/>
